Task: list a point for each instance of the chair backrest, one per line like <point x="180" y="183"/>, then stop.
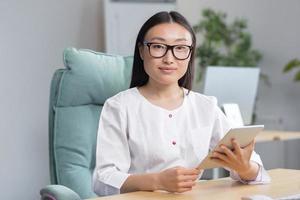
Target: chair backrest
<point x="77" y="95"/>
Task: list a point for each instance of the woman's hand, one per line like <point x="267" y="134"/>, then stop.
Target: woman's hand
<point x="178" y="179"/>
<point x="238" y="159"/>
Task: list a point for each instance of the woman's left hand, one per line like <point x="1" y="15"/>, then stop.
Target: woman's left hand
<point x="237" y="159"/>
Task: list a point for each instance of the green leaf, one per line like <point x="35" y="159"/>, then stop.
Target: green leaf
<point x="291" y="65"/>
<point x="297" y="76"/>
<point x="224" y="43"/>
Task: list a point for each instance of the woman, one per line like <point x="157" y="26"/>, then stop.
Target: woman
<point x="153" y="135"/>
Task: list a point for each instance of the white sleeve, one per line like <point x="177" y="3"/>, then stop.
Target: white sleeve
<point x="112" y="155"/>
<point x="262" y="176"/>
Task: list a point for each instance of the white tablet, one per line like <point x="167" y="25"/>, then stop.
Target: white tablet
<point x="244" y="136"/>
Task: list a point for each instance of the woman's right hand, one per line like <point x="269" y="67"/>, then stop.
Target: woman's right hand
<point x="178" y="179"/>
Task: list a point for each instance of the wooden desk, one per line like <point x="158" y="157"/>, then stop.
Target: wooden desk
<point x="266" y="136"/>
<point x="284" y="182"/>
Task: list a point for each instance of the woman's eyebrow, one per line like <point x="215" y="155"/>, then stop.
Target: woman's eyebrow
<point x="181" y="39"/>
<point x="162" y="39"/>
<point x="158" y="38"/>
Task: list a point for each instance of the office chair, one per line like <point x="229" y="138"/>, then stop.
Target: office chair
<point x="77" y="95"/>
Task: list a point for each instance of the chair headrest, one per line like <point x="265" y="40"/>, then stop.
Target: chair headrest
<point x="92" y="77"/>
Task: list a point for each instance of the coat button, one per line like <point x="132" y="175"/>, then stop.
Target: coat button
<point x="174" y="142"/>
<point x="170" y="115"/>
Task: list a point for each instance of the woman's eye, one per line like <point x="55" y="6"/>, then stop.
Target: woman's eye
<point x="181" y="48"/>
<point x="158" y="46"/>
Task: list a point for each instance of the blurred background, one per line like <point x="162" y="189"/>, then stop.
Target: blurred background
<point x="34" y="34"/>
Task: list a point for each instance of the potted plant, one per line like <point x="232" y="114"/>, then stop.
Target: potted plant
<point x="293" y="64"/>
<point x="224" y="44"/>
<point x="224" y="48"/>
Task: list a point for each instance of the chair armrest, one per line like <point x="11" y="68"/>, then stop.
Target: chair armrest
<point x="58" y="192"/>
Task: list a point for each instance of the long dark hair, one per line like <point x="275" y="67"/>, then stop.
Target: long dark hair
<point x="139" y="76"/>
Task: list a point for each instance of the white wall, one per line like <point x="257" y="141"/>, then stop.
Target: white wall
<point x="33" y="36"/>
<point x="275" y="30"/>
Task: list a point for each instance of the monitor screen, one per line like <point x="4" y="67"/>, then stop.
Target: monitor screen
<point x="233" y="85"/>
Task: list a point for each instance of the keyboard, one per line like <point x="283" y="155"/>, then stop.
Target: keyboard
<point x="290" y="197"/>
<point x="264" y="197"/>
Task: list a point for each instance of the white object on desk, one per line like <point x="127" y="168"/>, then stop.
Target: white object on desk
<point x="233" y="114"/>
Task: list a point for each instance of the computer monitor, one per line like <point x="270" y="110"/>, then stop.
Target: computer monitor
<point x="233" y="85"/>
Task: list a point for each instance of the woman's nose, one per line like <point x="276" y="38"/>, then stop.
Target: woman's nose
<point x="169" y="57"/>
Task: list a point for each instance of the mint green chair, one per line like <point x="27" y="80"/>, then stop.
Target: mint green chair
<point x="77" y="95"/>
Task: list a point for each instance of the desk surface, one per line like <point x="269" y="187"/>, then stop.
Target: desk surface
<point x="277" y="136"/>
<point x="284" y="182"/>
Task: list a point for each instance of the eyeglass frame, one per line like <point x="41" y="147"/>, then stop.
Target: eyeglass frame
<point x="148" y="44"/>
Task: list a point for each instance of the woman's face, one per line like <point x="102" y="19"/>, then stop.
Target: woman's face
<point x="167" y="69"/>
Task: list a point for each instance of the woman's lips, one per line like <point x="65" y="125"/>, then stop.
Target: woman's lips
<point x="167" y="70"/>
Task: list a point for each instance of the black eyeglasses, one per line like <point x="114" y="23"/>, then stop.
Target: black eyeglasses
<point x="159" y="50"/>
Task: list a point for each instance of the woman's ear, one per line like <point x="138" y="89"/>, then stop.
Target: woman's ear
<point x="141" y="51"/>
